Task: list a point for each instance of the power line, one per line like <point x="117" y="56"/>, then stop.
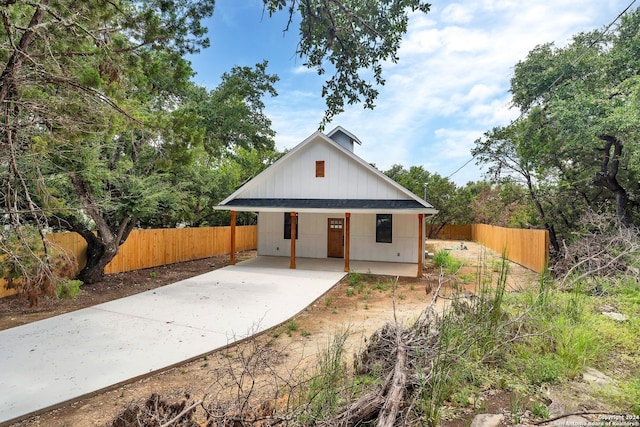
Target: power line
<point x="563" y="74"/>
<point x="460" y="168"/>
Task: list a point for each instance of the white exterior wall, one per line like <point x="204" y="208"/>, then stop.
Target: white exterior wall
<point x="404" y="239"/>
<point x="344" y="178"/>
<point x="312" y="239"/>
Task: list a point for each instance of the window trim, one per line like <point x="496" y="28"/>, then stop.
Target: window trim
<point x="384" y="232"/>
<point x="319" y="168"/>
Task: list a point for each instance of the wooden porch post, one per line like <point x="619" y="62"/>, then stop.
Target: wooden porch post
<point x="347" y="240"/>
<point x="420" y="243"/>
<point x="232" y="255"/>
<point x="292" y="264"/>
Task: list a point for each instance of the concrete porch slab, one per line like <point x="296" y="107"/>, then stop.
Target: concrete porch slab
<point x="334" y="264"/>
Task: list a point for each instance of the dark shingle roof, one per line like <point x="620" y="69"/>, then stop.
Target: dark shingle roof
<point x="327" y="203"/>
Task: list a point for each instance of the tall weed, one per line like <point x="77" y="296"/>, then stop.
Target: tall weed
<point x="470" y="336"/>
<point x="444" y="260"/>
<point x="324" y="392"/>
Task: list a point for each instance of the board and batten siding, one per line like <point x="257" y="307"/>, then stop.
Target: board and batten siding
<point x="296" y="178"/>
<point x="312" y="239"/>
<point x="404" y="246"/>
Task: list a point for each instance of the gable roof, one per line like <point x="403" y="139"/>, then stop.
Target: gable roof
<point x="346" y="132"/>
<point x="352" y="185"/>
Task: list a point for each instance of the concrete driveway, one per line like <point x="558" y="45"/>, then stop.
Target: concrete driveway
<point x="46" y="363"/>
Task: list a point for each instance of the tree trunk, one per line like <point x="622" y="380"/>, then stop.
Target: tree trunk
<point x="99" y="251"/>
<point x="608" y="177"/>
<point x="553" y="238"/>
<point x="384" y="402"/>
<point x="364" y="409"/>
<point x="14" y="63"/>
<point x="99" y="254"/>
<point x="103" y="246"/>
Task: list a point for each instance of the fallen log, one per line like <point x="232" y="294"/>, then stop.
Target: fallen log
<point x="395" y="395"/>
<point x="364" y="409"/>
<point x="396" y="350"/>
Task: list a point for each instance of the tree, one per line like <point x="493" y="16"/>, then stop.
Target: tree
<point x="502" y="204"/>
<point x="76" y="81"/>
<point x="451" y="202"/>
<point x="513" y="152"/>
<point x="592" y="107"/>
<point x="99" y="113"/>
<point x="574" y="146"/>
<point x="136" y="177"/>
<point x="352" y="39"/>
<point x="209" y="180"/>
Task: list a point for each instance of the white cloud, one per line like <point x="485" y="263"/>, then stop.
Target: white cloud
<point x="451" y="84"/>
<point x="456" y="13"/>
<point x="301" y="69"/>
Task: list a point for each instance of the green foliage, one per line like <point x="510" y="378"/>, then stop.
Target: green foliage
<point x="291" y="326"/>
<point x="516" y="406"/>
<point x="540" y="410"/>
<point x="31" y="265"/>
<point x="631" y="393"/>
<point x="325" y="389"/>
<point x="577" y="100"/>
<point x="444" y="260"/>
<point x="459" y="360"/>
<point x="68" y="289"/>
<point x="453" y="203"/>
<point x="357" y="281"/>
<point x="354" y="278"/>
<point x="382" y="285"/>
<point x="542" y="368"/>
<point x="358" y="35"/>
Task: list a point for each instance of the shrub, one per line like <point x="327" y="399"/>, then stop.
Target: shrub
<point x="540" y="410"/>
<point x="447" y="262"/>
<point x="442" y="258"/>
<point x="543" y="368"/>
<point x="68" y="289"/>
<point x="32" y="266"/>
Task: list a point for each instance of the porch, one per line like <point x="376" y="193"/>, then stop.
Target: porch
<point x="334" y="264"/>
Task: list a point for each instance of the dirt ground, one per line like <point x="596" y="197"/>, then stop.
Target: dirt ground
<point x="284" y="353"/>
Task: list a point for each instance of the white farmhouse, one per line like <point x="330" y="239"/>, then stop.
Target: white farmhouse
<point x="320" y="200"/>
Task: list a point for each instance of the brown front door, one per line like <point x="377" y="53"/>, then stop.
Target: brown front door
<point x="335" y="244"/>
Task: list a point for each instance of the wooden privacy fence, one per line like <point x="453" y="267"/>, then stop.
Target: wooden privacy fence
<point x="151" y="248"/>
<point x="529" y="248"/>
<point x="453" y="232"/>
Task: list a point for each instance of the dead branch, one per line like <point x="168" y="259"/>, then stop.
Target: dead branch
<point x="570" y="414"/>
<point x="365" y="408"/>
<point x="605" y="249"/>
<point x="184" y="412"/>
<point x="397" y="386"/>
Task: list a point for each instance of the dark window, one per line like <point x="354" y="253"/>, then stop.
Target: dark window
<point x="383" y="228"/>
<point x="287" y="226"/>
<point x="319" y="168"/>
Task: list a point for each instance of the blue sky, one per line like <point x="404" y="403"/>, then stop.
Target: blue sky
<point x="450" y="86"/>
